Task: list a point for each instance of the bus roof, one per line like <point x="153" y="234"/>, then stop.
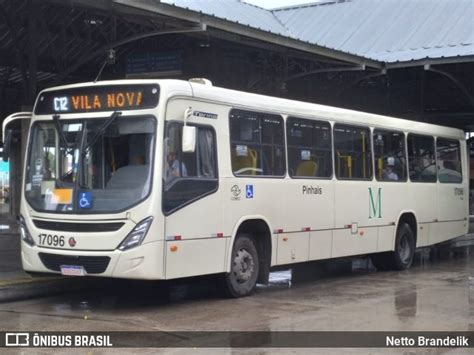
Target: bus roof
<point x="271" y="104"/>
<point x="244" y="100"/>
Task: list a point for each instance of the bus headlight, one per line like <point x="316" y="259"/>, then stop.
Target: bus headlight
<point x="136" y="236"/>
<point x="25" y="233"/>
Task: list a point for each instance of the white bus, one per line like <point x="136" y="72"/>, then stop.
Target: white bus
<point x="164" y="179"/>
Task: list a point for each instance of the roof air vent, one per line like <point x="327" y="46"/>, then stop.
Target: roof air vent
<point x="200" y="81"/>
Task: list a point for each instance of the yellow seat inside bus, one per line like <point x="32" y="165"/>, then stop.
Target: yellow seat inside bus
<point x="307" y="168"/>
<point x="245" y="164"/>
<point x="344" y="165"/>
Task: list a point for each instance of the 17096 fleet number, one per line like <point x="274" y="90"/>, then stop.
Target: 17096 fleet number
<point x="52" y="240"/>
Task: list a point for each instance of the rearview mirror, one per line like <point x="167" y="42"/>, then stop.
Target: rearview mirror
<point x="189" y="139"/>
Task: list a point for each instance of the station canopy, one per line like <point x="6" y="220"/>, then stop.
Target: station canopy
<point x="389" y="32"/>
<point x="407" y="58"/>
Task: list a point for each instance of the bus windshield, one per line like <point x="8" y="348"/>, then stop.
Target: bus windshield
<point x="90" y="166"/>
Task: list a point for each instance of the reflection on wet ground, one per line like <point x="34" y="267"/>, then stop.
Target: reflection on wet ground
<point x="437" y="293"/>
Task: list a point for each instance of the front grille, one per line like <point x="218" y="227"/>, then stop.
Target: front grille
<point x="78" y="227"/>
<point x="92" y="264"/>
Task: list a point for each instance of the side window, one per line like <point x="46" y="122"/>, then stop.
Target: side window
<point x="421" y="158"/>
<point x="309" y="148"/>
<point x="390" y="156"/>
<point x="257" y="144"/>
<point x="188" y="176"/>
<point x="449" y="160"/>
<point x="352" y="152"/>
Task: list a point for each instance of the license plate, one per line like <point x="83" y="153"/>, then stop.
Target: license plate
<point x="73" y="270"/>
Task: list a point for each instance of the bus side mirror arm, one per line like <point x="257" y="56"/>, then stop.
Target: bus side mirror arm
<point x="12" y="130"/>
<point x="189" y="134"/>
<point x="6" y="145"/>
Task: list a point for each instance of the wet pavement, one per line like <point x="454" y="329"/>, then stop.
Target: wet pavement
<point x="437" y="293"/>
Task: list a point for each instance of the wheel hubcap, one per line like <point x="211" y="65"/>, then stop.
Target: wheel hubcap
<point x="244" y="266"/>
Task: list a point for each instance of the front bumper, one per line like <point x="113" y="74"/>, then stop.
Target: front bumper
<point x="143" y="262"/>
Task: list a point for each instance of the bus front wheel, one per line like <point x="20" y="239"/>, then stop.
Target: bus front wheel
<point x="402" y="257"/>
<point x="242" y="278"/>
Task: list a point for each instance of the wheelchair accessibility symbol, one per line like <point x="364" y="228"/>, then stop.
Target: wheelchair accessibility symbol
<point x="249" y="191"/>
<point x="85" y="200"/>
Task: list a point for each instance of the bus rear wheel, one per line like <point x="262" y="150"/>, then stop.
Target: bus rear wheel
<point x="242" y="278"/>
<point x="402" y="257"/>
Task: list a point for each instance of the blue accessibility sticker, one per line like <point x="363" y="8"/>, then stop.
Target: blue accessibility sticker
<point x="84" y="200"/>
<point x="249" y="191"/>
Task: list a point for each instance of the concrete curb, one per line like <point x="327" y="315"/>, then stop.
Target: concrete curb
<point x="25" y="288"/>
<point x="463" y="241"/>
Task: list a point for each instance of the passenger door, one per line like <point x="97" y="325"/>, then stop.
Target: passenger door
<point x="453" y="194"/>
<point x="191" y="203"/>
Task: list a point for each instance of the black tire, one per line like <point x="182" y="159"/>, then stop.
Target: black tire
<point x="402" y="257"/>
<point x="404" y="248"/>
<point x="242" y="278"/>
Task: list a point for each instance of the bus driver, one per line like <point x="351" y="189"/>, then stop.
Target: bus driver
<point x="172" y="167"/>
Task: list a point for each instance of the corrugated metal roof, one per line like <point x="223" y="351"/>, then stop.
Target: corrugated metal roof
<point x="234" y="11"/>
<point x="384" y="30"/>
<point x="387" y="30"/>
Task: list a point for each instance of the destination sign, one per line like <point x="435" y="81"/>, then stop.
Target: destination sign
<point x="98" y="98"/>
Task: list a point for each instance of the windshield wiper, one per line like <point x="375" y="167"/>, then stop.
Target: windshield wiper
<point x="62" y="137"/>
<point x="63" y="141"/>
<point x="101" y="130"/>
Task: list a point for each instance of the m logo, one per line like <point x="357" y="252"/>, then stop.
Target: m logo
<point x="375" y="204"/>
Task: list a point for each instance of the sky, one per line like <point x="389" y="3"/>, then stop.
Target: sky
<point x="272" y="4"/>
